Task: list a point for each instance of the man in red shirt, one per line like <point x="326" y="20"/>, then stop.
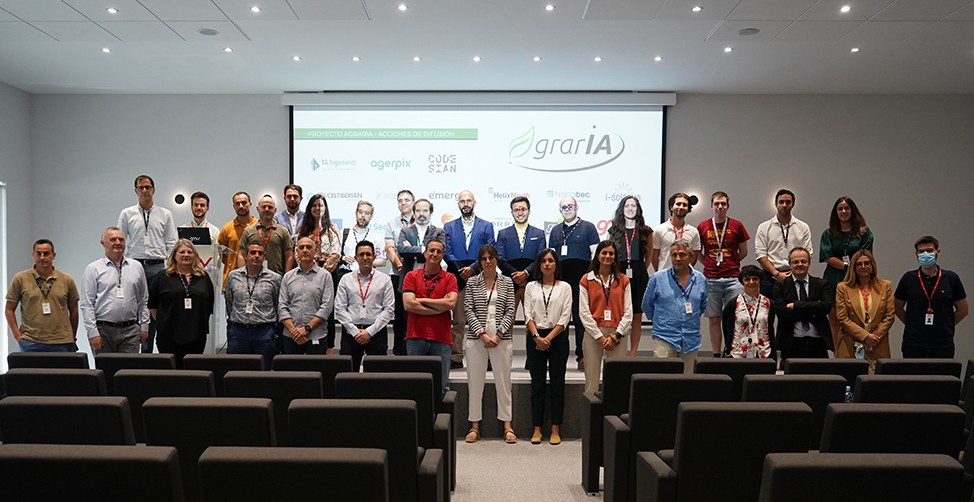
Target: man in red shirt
<point x="429" y="294"/>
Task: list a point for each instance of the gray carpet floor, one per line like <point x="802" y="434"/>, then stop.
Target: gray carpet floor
<point x="491" y="470"/>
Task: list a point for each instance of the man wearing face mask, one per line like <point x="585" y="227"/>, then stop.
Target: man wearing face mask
<point x="574" y="240"/>
<point x="675" y="229"/>
<point x="931" y="302"/>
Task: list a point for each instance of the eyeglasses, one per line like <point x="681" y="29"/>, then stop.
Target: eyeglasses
<point x="523" y="209"/>
<point x="144" y="187"/>
<point x="568" y="207"/>
<point x="864" y="264"/>
<point x="364" y="213"/>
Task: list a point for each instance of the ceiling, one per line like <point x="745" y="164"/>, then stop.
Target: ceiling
<point x="803" y="46"/>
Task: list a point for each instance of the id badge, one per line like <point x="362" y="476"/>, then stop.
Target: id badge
<point x="720" y="257"/>
<point x="145" y="239"/>
<point x="315" y="342"/>
<point x="564" y="249"/>
<point x="249" y="309"/>
<point x="119" y="293"/>
<point x="629" y="272"/>
<point x="845" y="260"/>
<point x="46" y="308"/>
<point x="187" y="303"/>
<point x="688" y="308"/>
<point x="927" y="319"/>
<point x="606" y="315"/>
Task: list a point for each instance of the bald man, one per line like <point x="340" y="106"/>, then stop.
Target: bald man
<point x="276" y="240"/>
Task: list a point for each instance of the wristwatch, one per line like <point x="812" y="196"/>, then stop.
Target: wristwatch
<point x="307" y="327"/>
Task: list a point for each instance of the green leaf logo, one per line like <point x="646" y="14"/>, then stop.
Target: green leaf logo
<point x="521" y="145"/>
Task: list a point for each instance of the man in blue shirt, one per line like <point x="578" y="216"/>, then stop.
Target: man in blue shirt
<point x="675" y="300"/>
<point x="464" y="238"/>
<point x="290" y="217"/>
<point x="518" y="246"/>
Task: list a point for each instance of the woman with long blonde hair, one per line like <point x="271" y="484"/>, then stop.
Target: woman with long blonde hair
<point x="864" y="310"/>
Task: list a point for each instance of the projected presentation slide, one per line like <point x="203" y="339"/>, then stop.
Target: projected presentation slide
<point x="597" y="157"/>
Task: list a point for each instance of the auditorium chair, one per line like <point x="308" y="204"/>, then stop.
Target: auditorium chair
<point x="850" y="369"/>
<point x="64" y="360"/>
<point x="55" y="382"/>
<point x="416" y="474"/>
<point x="650" y="424"/>
<point x="66" y="420"/>
<point x="907" y="389"/>
<point x="140" y="385"/>
<point x="328" y="366"/>
<point x="736" y="369"/>
<point x="613" y="399"/>
<point x="248" y="473"/>
<point x="90" y="472"/>
<point x="720" y="450"/>
<point x="893" y="428"/>
<point x="220" y="364"/>
<point x="817" y="391"/>
<point x="966" y="381"/>
<point x="111" y="362"/>
<point x="280" y="387"/>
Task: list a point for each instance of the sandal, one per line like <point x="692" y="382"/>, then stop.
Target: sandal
<point x="536" y="438"/>
<point x="510" y="437"/>
<point x="472" y="435"/>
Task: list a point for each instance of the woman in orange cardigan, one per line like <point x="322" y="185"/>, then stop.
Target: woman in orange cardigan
<point x="605" y="309"/>
<point x="864" y="309"/>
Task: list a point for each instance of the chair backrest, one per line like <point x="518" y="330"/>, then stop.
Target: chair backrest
<point x="408" y="364"/>
<point x="814" y="477"/>
<point x="55" y="382"/>
<point x="66" y="420"/>
<point x="192" y="424"/>
<point x="966" y="381"/>
<point x="242" y="473"/>
<point x="418" y="387"/>
<point x="280" y="387"/>
<point x="617" y="376"/>
<point x="111" y="362"/>
<point x="389" y="424"/>
<point x="736" y="369"/>
<point x="817" y="391"/>
<point x="950" y="367"/>
<point x="655" y="399"/>
<point x="328" y="366"/>
<point x="849" y="369"/>
<point x="144" y="473"/>
<point x="740" y="435"/>
<point x="220" y="364"/>
<point x="893" y="428"/>
<point x="64" y="360"/>
<point x="906" y="389"/>
<point x="140" y="385"/>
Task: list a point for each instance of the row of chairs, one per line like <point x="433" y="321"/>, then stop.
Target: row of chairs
<point x="191" y="425"/>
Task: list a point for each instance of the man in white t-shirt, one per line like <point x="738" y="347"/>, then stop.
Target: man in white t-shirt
<point x="675" y="229"/>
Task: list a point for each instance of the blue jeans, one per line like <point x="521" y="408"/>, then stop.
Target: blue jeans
<point x="243" y="340"/>
<point x="29" y="346"/>
<point x="424" y="347"/>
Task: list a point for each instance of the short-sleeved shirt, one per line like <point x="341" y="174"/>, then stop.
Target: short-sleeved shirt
<point x="276" y="240"/>
<point x="430" y="327"/>
<point x="230" y="237"/>
<point x="845" y="245"/>
<point x="53" y="328"/>
<point x="916" y="333"/>
<point x="579" y="238"/>
<point x="664" y="235"/>
<point x="734" y="235"/>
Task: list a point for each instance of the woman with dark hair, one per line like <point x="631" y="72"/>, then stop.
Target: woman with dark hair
<point x="748" y="320"/>
<point x="864" y="308"/>
<point x="488" y="305"/>
<point x="632" y="238"/>
<point x="318" y="226"/>
<point x="181" y="301"/>
<point x="847" y="233"/>
<point x="547" y="312"/>
<point x="605" y="308"/>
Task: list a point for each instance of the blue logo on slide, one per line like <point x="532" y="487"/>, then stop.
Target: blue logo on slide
<point x="565" y="154"/>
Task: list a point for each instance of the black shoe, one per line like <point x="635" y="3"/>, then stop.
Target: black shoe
<point x="455" y="365"/>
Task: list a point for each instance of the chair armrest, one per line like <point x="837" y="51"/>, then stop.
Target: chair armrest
<point x="655" y="481"/>
<point x="431" y="474"/>
<point x="591" y="442"/>
<point x="443" y="439"/>
<point x="449" y="406"/>
<point x="616" y="458"/>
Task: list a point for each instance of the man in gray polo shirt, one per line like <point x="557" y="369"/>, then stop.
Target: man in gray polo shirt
<point x="114" y="302"/>
<point x="305" y="302"/>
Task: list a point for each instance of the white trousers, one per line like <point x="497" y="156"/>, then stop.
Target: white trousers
<point x="663" y="350"/>
<point x="592" y="352"/>
<point x="500" y="358"/>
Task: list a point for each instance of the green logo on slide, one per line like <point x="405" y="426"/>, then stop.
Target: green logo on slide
<point x="565" y="154"/>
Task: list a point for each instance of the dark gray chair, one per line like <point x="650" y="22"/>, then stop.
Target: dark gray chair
<point x="66" y="420"/>
<point x="949" y="367"/>
<point x="55" y="382"/>
<point x="893" y="428"/>
<point x="415" y="474"/>
<point x="328" y="366"/>
<point x="613" y="400"/>
<point x="736" y="369"/>
<point x="850" y="369"/>
<point x="966" y="381"/>
<point x="220" y="364"/>
<point x="87" y="472"/>
<point x="817" y="391"/>
<point x="738" y="434"/>
<point x="111" y="362"/>
<point x="140" y="385"/>
<point x="247" y="473"/>
<point x="280" y="387"/>
<point x="854" y="477"/>
<point x="907" y="389"/>
<point x="650" y="424"/>
<point x="193" y="424"/>
<point x="63" y="360"/>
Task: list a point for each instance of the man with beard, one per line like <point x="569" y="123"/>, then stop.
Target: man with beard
<point x="358" y="233"/>
<point x="290" y="217"/>
<point x="518" y="246"/>
<point x="464" y="237"/>
<point x="273" y="237"/>
<point x="412" y="241"/>
<point x="673" y="230"/>
<point x="251" y="301"/>
<point x="209" y="258"/>
<point x="229" y="236"/>
<point x="775" y="239"/>
<point x="404" y="200"/>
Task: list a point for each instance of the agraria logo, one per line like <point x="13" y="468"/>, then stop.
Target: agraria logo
<point x="562" y="154"/>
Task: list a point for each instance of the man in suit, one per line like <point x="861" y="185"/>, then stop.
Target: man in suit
<point x="464" y="237"/>
<point x="518" y="246"/>
<point x="290" y="217"/>
<point x="413" y="239"/>
<point x="802" y="304"/>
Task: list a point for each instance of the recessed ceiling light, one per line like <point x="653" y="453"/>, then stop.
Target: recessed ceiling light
<point x="845" y="8"/>
<point x="476" y="59"/>
<point x="356" y="59"/>
<point x="106" y="50"/>
<point x="728" y="49"/>
<point x="658" y="58"/>
<point x="696" y="8"/>
<point x="854" y="50"/>
<point x="417" y="59"/>
<point x="403" y="7"/>
<point x="228" y="49"/>
<point x="598" y="59"/>
<point x="549" y="7"/>
<point x="536" y="59"/>
<point x="112" y="10"/>
<point x="255" y="9"/>
<point x="295" y="58"/>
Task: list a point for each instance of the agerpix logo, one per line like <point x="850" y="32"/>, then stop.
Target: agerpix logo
<point x="538" y="151"/>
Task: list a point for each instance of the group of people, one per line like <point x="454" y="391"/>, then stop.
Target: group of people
<point x="289" y="278"/>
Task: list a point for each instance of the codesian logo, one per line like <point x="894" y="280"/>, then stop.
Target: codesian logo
<point x="564" y="153"/>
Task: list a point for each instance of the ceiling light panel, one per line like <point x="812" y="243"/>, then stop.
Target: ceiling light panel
<point x="184" y="10"/>
<point x="128" y="10"/>
<point x="770" y="10"/>
<point x="270" y="10"/>
<point x="831" y="10"/>
<point x="710" y="9"/>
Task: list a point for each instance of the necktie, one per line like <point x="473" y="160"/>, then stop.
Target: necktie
<point x="803" y="297"/>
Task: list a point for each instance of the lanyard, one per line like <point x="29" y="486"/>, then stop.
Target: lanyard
<point x="250" y="289"/>
<point x="50" y="285"/>
<point x="357" y="238"/>
<point x="865" y="301"/>
<point x="682" y="230"/>
<point x="429" y="288"/>
<point x="720" y="235"/>
<point x="547" y="299"/>
<point x="932" y="291"/>
<point x="263" y="240"/>
<point x="606" y="289"/>
<point x="364" y="294"/>
<point x="145" y="218"/>
<point x="686" y="292"/>
<point x="569" y="234"/>
<point x="752" y="316"/>
<point x="186" y="283"/>
<point x="490" y="291"/>
<point x="785" y="230"/>
<point x="119" y="269"/>
<point x="629" y="240"/>
<point x="521" y="237"/>
<point x="205" y="224"/>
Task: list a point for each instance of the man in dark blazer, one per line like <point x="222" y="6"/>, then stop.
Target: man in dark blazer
<point x="412" y="240"/>
<point x="802" y="304"/>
